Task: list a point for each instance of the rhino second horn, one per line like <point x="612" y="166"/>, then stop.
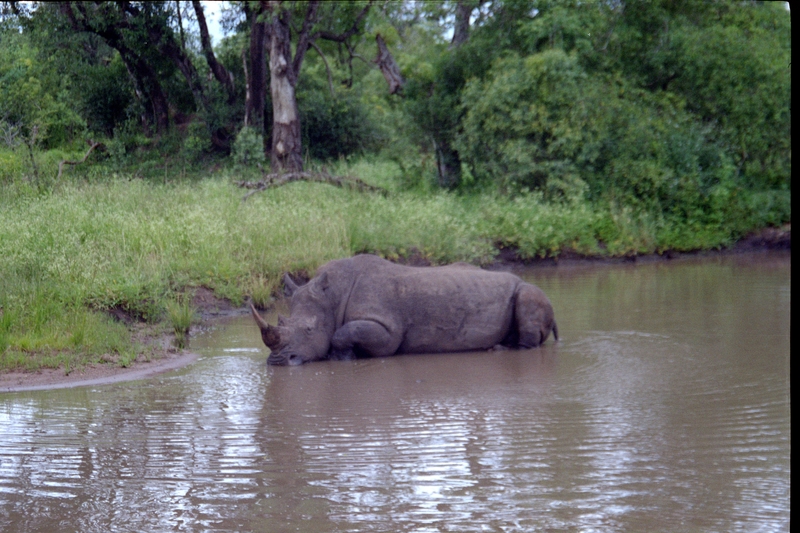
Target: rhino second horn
<point x="290" y="285"/>
<point x="269" y="334"/>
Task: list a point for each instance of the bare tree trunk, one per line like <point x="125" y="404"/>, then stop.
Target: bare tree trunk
<point x="286" y="153"/>
<point x="388" y="66"/>
<point x="286" y="140"/>
<point x="257" y="74"/>
<point x="461" y="28"/>
<point x="247" y="90"/>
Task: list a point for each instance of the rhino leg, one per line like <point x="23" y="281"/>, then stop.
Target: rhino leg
<point x="363" y="337"/>
<point x="533" y="314"/>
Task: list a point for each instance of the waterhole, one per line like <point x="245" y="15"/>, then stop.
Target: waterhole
<point x="664" y="407"/>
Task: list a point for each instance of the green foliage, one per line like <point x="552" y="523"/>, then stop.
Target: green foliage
<point x="105" y="95"/>
<point x="736" y="74"/>
<point x="248" y="148"/>
<point x="525" y="127"/>
<point x="544" y="123"/>
<point x="197" y="143"/>
<point x="32" y="95"/>
<point x="334" y="127"/>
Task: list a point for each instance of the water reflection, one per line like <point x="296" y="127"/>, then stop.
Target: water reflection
<point x="665" y="407"/>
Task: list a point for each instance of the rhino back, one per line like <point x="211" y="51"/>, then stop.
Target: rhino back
<point x="436" y="309"/>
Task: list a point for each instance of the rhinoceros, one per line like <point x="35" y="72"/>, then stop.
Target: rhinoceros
<point x="365" y="306"/>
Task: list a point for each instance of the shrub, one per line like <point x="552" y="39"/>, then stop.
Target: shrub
<point x="248" y="148"/>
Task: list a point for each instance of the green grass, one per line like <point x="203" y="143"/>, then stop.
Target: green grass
<point x="180" y="314"/>
<point x="110" y="241"/>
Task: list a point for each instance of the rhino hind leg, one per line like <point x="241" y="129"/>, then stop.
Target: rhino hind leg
<point x="533" y="315"/>
<point x="363" y="338"/>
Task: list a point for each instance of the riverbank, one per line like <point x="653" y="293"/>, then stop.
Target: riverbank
<point x="211" y="308"/>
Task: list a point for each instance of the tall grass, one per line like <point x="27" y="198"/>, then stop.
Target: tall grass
<point x="69" y="253"/>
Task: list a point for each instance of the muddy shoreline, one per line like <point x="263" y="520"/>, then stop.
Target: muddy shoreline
<point x="92" y="375"/>
<point x="212" y="308"/>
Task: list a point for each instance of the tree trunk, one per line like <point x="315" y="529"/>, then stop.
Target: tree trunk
<point x="286" y="140"/>
<point x="146" y="82"/>
<point x="388" y="66"/>
<point x="257" y="75"/>
<point x="170" y="49"/>
<point x="222" y="75"/>
<point x="461" y="28"/>
<point x="449" y="165"/>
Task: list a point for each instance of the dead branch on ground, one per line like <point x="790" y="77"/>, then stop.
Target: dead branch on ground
<point x="276" y="180"/>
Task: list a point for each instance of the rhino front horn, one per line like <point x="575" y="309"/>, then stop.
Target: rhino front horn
<point x="269" y="334"/>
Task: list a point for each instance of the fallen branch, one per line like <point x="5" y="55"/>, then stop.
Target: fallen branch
<point x="276" y="180"/>
<point x="92" y="146"/>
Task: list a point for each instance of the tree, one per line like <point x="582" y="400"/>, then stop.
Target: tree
<point x="143" y="36"/>
<point x="112" y="22"/>
<point x="286" y="153"/>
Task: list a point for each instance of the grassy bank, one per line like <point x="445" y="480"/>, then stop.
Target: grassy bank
<point x="72" y="252"/>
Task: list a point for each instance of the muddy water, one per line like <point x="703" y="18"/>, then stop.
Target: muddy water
<point x="665" y="407"/>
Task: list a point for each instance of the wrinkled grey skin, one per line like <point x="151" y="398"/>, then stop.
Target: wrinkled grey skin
<point x="366" y="306"/>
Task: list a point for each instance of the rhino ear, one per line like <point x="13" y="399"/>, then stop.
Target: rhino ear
<point x="319" y="285"/>
<point x="289" y="286"/>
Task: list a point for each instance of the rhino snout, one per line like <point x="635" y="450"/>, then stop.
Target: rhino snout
<point x="285" y="358"/>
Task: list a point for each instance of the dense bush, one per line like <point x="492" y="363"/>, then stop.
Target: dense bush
<point x="542" y="122"/>
<point x="333" y="125"/>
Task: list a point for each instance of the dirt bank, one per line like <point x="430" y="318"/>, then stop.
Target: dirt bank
<point x="93" y="374"/>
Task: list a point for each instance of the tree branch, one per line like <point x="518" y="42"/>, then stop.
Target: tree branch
<point x="342" y="37"/>
<point x="327" y="67"/>
<point x="180" y="24"/>
<point x="222" y="75"/>
<point x="304" y="39"/>
<point x="276" y="180"/>
<point x="92" y="146"/>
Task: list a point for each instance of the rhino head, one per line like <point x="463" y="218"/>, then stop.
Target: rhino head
<point x="305" y="336"/>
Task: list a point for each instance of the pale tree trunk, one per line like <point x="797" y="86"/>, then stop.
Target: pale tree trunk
<point x="286" y="140"/>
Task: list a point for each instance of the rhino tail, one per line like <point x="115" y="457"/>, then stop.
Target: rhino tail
<point x="555" y="330"/>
